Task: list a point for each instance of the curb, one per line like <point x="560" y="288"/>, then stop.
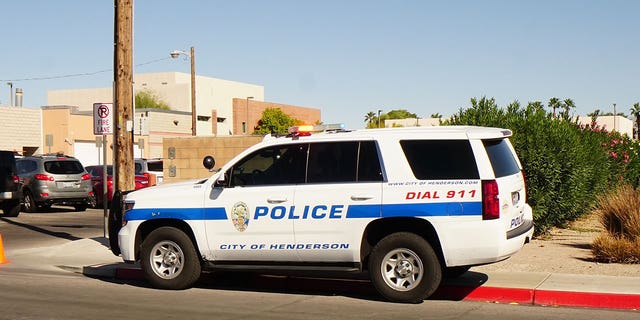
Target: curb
<point x="541" y="297"/>
<point x="499" y="295"/>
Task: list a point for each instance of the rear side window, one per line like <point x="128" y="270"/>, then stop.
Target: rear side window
<point x="440" y="159"/>
<point x="502" y="158"/>
<point x="63" y="167"/>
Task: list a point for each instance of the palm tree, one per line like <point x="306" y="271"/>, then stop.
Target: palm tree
<point x="554" y="103"/>
<point x="436" y="115"/>
<point x="636" y="113"/>
<point x="369" y="117"/>
<point x="568" y="104"/>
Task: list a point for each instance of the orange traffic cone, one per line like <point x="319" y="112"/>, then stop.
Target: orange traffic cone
<point x="2" y="258"/>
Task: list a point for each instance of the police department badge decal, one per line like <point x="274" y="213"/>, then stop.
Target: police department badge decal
<point x="240" y="216"/>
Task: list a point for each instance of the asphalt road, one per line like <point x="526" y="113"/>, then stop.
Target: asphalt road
<point x="35" y="293"/>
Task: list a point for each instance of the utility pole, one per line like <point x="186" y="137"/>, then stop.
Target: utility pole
<point x="123" y="96"/>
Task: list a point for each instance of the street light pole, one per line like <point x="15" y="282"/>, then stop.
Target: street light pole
<point x="192" y="56"/>
<point x="247" y="122"/>
<point x="379" y="117"/>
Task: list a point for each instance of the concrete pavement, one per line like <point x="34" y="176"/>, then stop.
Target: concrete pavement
<point x="92" y="257"/>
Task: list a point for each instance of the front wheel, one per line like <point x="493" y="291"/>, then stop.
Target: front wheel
<point x="169" y="259"/>
<point x="404" y="268"/>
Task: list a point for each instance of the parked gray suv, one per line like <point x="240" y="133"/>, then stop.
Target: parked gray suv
<point x="48" y="180"/>
<point x="9" y="185"/>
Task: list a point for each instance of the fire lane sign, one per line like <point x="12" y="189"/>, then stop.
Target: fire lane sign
<point x="102" y="118"/>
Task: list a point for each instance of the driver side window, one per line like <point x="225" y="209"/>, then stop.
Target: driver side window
<point x="275" y="165"/>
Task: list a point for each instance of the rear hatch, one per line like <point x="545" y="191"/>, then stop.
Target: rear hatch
<point x="511" y="186"/>
<point x="67" y="177"/>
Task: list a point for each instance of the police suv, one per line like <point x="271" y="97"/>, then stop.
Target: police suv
<point x="408" y="206"/>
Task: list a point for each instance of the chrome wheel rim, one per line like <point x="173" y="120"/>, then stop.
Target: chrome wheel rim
<point x="402" y="269"/>
<point x="28" y="202"/>
<point x="167" y="259"/>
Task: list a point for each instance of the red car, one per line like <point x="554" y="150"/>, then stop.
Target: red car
<point x="142" y="181"/>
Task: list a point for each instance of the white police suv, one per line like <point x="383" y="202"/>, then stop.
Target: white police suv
<point x="406" y="205"/>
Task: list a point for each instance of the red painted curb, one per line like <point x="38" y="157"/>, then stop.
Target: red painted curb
<point x="588" y="299"/>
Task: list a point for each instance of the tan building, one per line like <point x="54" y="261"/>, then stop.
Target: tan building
<point x="214" y="97"/>
<point x="21" y="130"/>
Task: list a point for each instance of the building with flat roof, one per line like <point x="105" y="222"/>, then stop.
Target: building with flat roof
<point x="214" y="97"/>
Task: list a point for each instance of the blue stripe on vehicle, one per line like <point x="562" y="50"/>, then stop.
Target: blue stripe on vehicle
<point x="415" y="210"/>
<point x="177" y="213"/>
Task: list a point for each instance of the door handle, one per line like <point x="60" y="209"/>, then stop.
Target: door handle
<point x="276" y="200"/>
<point x="361" y="198"/>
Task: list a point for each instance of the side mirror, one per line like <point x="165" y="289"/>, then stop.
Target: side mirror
<point x="208" y="162"/>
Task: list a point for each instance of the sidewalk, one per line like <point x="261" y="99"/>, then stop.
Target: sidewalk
<point x="92" y="257"/>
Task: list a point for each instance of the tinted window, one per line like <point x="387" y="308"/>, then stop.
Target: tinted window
<point x="63" y="167"/>
<point x="154" y="165"/>
<point x="440" y="159"/>
<point x="26" y="165"/>
<point x="502" y="158"/>
<point x="332" y="162"/>
<point x="271" y="166"/>
<point x="369" y="162"/>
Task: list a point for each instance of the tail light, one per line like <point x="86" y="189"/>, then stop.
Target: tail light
<point x="43" y="177"/>
<point x="16" y="179"/>
<point x="86" y="176"/>
<point x="490" y="201"/>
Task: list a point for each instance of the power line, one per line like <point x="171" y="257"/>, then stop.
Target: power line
<point x="79" y="74"/>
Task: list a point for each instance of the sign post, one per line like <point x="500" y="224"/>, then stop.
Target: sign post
<point x="103" y="125"/>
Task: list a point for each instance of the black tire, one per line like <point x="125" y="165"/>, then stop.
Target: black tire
<point x="12" y="208"/>
<point x="169" y="259"/>
<point x="80" y="207"/>
<point x="455" y="272"/>
<point x="404" y="268"/>
<point x="29" y="202"/>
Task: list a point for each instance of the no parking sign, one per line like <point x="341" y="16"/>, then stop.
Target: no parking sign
<point x="102" y="118"/>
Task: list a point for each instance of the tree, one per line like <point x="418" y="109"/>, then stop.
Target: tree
<point x="635" y="111"/>
<point x="554" y="103"/>
<point x="369" y="118"/>
<point x="274" y="121"/>
<point x="567" y="104"/>
<point x="147" y="99"/>
<point x="436" y="115"/>
<point x="400" y="114"/>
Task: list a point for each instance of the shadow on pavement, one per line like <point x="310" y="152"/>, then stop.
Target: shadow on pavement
<point x="328" y="285"/>
<point x="63" y="235"/>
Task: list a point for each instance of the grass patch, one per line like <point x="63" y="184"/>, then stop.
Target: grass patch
<point x="619" y="214"/>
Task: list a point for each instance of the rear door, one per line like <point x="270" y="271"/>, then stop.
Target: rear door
<point x="342" y="193"/>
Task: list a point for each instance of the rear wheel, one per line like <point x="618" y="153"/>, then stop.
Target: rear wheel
<point x="29" y="202"/>
<point x="169" y="259"/>
<point x="404" y="268"/>
<point x="80" y="207"/>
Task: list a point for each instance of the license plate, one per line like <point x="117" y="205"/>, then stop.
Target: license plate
<point x="515" y="198"/>
<point x="66" y="184"/>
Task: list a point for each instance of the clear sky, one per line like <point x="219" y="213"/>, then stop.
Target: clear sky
<point x="344" y="57"/>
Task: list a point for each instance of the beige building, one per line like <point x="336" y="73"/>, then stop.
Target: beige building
<point x="611" y="123"/>
<point x="214" y="97"/>
<point x="21" y="130"/>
